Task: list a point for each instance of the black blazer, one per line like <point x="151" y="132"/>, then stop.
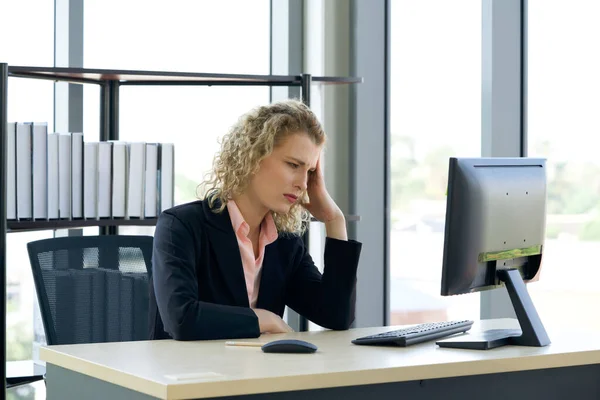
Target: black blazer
<point x="197" y="285"/>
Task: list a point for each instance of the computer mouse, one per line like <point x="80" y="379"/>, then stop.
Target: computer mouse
<point x="289" y="346"/>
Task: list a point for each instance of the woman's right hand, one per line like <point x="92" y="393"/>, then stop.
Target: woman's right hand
<point x="270" y="322"/>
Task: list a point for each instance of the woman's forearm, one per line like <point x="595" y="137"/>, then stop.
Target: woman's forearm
<point x="336" y="228"/>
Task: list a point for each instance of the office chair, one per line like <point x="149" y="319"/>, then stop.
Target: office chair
<point x="92" y="289"/>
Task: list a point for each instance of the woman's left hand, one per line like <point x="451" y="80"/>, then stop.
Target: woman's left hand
<point x="320" y="204"/>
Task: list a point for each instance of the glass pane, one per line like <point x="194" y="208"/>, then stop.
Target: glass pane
<point x="20" y="296"/>
<point x="435" y="113"/>
<point x="227" y="36"/>
<point x="33" y="391"/>
<point x="563" y="104"/>
<point x="27" y="37"/>
<point x="28" y="40"/>
<point x="198" y="36"/>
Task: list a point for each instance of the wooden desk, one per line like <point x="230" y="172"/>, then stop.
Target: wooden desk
<point x="167" y="369"/>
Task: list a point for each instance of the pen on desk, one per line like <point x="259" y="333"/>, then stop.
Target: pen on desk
<point x="246" y="344"/>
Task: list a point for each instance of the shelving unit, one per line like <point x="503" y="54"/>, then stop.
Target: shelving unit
<point x="110" y="81"/>
<point x="23" y="226"/>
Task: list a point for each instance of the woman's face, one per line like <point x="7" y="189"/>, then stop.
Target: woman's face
<point x="283" y="175"/>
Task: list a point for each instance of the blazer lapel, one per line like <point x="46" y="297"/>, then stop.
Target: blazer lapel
<point x="272" y="275"/>
<point x="224" y="242"/>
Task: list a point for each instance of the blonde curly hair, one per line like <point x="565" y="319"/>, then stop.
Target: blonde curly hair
<point x="248" y="142"/>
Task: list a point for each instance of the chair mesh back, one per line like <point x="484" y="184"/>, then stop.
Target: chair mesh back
<point x="92" y="289"/>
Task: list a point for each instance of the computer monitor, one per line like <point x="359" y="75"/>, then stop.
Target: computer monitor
<point x="494" y="237"/>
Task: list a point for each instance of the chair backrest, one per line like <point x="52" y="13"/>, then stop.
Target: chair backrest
<point x="92" y="289"/>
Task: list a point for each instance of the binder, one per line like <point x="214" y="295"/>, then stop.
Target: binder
<point x="53" y="181"/>
<point x="40" y="170"/>
<point x="77" y="174"/>
<point x="90" y="180"/>
<point x="167" y="175"/>
<point x="136" y="180"/>
<point x="119" y="180"/>
<point x="11" y="171"/>
<point x="104" y="179"/>
<point x="151" y="186"/>
<point x="64" y="176"/>
<point x="24" y="173"/>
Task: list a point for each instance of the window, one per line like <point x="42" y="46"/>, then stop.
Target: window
<point x="188" y="36"/>
<point x="435" y="113"/>
<point x="28" y="100"/>
<point x="229" y="36"/>
<point x="563" y="85"/>
<point x="193" y="36"/>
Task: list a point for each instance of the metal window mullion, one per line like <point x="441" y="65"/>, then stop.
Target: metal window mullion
<point x="287" y="42"/>
<point x="503" y="109"/>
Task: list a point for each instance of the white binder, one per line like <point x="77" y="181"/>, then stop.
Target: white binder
<point x="24" y="162"/>
<point x="119" y="179"/>
<point x="77" y="174"/>
<point x="137" y="180"/>
<point x="53" y="186"/>
<point x="105" y="179"/>
<point x="151" y="189"/>
<point x="64" y="176"/>
<point x="90" y="180"/>
<point x="40" y="170"/>
<point x="11" y="171"/>
<point x="167" y="175"/>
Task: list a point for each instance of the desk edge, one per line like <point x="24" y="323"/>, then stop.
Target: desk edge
<point x="103" y="373"/>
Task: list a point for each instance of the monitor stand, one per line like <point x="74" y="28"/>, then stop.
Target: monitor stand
<point x="532" y="332"/>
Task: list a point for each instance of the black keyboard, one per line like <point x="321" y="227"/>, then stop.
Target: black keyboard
<point x="416" y="334"/>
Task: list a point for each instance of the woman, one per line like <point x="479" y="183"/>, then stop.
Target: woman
<point x="226" y="266"/>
